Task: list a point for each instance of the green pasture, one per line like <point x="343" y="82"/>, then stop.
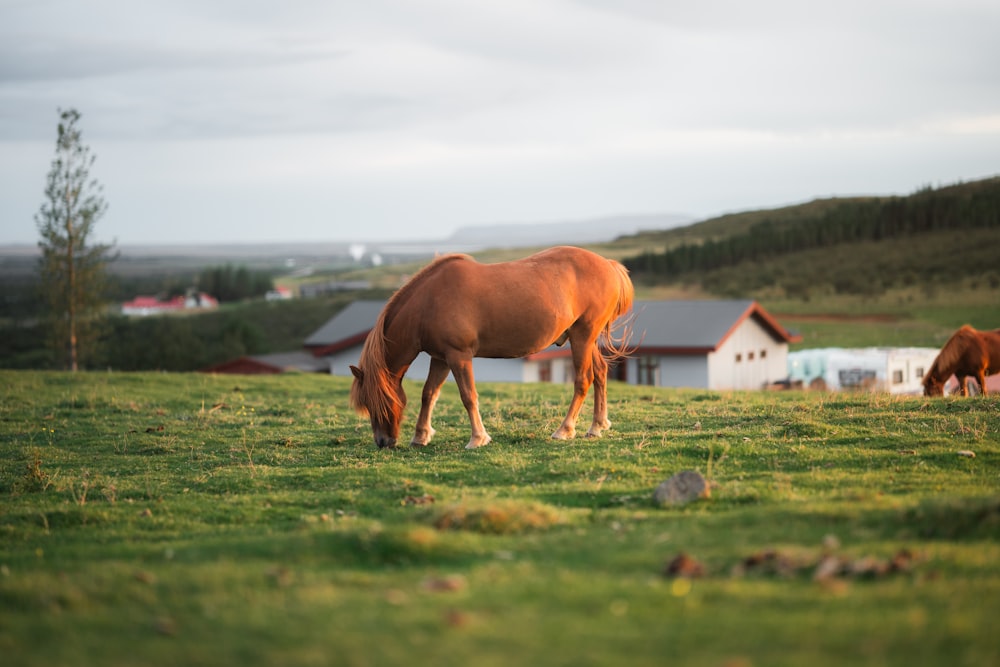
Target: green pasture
<point x="186" y="519"/>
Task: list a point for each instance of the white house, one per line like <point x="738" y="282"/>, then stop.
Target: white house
<point x="152" y="305"/>
<point x="704" y="344"/>
<point x="895" y="370"/>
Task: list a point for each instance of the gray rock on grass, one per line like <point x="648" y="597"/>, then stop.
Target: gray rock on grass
<point x="684" y="487"/>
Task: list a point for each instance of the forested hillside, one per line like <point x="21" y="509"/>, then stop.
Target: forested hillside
<point x="850" y="245"/>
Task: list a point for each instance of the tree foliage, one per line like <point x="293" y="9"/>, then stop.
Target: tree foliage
<point x="73" y="273"/>
<point x="229" y="283"/>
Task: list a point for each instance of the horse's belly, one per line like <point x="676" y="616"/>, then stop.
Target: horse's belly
<point x="517" y="342"/>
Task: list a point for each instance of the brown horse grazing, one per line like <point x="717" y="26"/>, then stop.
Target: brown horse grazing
<point x="967" y="353"/>
<point x="455" y="309"/>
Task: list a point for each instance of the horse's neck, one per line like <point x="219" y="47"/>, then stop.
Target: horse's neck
<point x="400" y="351"/>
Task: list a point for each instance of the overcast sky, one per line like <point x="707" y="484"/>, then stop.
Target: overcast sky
<point x="326" y="120"/>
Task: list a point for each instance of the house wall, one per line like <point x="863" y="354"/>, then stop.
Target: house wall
<point x="905" y="370"/>
<point x="559" y="370"/>
<point x="761" y="360"/>
<point x="896" y="370"/>
<point x="684" y="371"/>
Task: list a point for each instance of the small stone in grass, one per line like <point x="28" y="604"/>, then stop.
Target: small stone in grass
<point x="969" y="454"/>
<point x="682" y="488"/>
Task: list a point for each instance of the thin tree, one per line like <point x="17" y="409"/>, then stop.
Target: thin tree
<point x="73" y="271"/>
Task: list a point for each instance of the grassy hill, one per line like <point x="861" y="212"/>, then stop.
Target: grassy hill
<point x="835" y="246"/>
<point x="165" y="519"/>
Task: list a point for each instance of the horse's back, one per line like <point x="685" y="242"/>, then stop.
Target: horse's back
<point x="518" y="307"/>
<point x="563" y="272"/>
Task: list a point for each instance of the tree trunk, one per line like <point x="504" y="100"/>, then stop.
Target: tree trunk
<point x="71" y="283"/>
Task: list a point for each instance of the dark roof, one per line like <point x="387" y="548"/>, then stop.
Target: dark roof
<point x="697" y="325"/>
<point x="347" y="328"/>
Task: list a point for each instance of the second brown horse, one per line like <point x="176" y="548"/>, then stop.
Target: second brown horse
<point x="968" y="353"/>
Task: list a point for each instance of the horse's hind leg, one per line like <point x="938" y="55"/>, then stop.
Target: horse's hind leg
<point x="436" y="376"/>
<point x="981" y="376"/>
<point x="601" y="420"/>
<point x="583" y="364"/>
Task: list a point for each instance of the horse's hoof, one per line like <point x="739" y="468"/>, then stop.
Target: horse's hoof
<point x="563" y="434"/>
<point x="597" y="431"/>
<point x="476" y="443"/>
<point x="418" y="442"/>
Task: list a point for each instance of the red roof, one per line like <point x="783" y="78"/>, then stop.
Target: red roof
<point x="152" y="302"/>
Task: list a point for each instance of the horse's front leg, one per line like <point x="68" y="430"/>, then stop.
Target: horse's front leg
<point x="436" y="376"/>
<point x="981" y="376"/>
<point x="462" y="370"/>
<point x="963" y="385"/>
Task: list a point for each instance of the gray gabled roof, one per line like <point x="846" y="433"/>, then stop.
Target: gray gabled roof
<point x="697" y="325"/>
<point x="348" y="326"/>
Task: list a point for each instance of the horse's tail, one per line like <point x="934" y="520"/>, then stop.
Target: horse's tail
<point x="615" y="339"/>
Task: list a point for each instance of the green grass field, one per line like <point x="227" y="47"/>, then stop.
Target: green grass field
<point x="183" y="519"/>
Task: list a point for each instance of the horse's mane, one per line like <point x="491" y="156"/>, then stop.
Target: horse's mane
<point x="375" y="393"/>
<point x="947" y="359"/>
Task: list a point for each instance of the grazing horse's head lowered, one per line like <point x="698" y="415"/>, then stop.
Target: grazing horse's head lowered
<point x="382" y="399"/>
<point x="455" y="309"/>
<point x="968" y="353"/>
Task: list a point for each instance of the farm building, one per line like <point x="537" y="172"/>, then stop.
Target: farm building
<point x="151" y="305"/>
<point x="706" y="345"/>
<point x="703" y="344"/>
<point x="895" y="370"/>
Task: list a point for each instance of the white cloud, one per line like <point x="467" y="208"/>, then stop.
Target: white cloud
<point x="215" y="119"/>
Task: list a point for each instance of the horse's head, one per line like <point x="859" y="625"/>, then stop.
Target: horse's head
<point x="933" y="386"/>
<point x="380" y="397"/>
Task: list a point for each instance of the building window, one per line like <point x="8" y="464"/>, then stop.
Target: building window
<point x="897" y="377"/>
<point x="763" y="354"/>
<point x="648" y="369"/>
<point x="545" y="371"/>
<point x="739" y="357"/>
<point x="750" y="356"/>
<point x="920" y="371"/>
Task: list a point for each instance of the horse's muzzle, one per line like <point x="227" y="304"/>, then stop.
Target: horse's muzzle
<point x="385" y="442"/>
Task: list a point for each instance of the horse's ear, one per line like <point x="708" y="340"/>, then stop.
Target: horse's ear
<point x="358" y="373"/>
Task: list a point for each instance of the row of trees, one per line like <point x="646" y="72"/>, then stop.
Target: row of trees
<point x="957" y="208"/>
<point x="229" y="283"/>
